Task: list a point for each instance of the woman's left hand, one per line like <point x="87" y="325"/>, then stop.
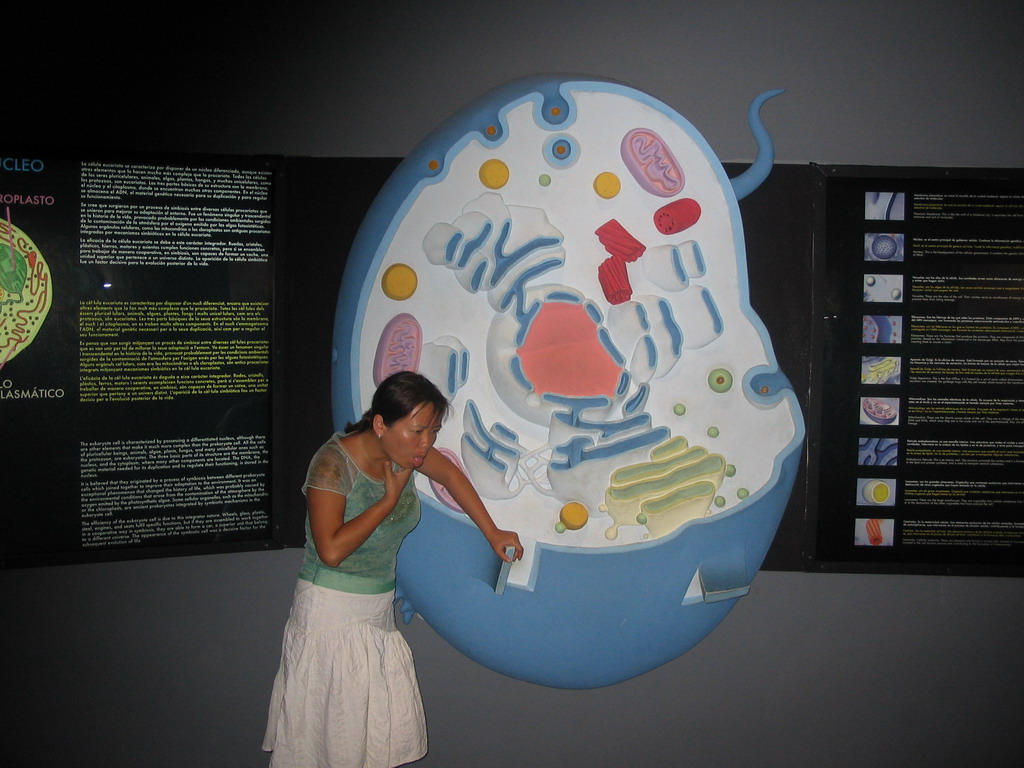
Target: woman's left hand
<point x="500" y="540"/>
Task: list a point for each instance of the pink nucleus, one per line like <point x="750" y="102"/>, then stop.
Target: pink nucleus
<point x="563" y="355"/>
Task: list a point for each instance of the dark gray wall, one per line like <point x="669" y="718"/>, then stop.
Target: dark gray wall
<point x="169" y="662"/>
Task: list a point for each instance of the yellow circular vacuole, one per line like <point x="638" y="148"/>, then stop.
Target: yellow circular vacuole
<point x="399" y="282"/>
<point x="494" y="174"/>
<point x="607" y="185"/>
<point x="573" y="516"/>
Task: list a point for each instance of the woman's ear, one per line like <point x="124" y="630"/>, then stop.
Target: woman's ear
<point x="378" y="424"/>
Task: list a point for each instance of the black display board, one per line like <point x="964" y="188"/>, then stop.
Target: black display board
<point x="135" y="355"/>
<point x="917" y="385"/>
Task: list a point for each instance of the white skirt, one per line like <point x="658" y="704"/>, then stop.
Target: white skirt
<point x="345" y="695"/>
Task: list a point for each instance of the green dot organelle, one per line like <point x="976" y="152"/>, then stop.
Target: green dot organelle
<point x="720" y="380"/>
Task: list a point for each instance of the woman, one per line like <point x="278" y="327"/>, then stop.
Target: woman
<point x="346" y="692"/>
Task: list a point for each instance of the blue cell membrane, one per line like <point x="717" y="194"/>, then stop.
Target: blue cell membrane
<point x="500" y="126"/>
<point x="555" y="107"/>
<point x="766" y="386"/>
<point x="758" y="171"/>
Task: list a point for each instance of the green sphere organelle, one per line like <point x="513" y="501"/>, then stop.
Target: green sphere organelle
<point x="720" y="380"/>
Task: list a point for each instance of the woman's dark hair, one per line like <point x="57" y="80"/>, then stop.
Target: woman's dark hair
<point x="398" y="396"/>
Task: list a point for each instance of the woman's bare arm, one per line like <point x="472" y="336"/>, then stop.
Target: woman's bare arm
<point x="441" y="470"/>
<point x="336" y="539"/>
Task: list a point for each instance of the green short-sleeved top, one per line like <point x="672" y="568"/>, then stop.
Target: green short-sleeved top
<point x="370" y="570"/>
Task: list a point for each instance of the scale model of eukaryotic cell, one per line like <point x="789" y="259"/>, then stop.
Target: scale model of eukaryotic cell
<point x="565" y="259"/>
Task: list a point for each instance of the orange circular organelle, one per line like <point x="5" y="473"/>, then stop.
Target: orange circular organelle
<point x="399" y="282"/>
<point x="494" y="174"/>
<point x="607" y="185"/>
<point x="573" y="516"/>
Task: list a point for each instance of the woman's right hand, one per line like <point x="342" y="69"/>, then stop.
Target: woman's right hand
<point x="395" y="480"/>
<point x="334" y="538"/>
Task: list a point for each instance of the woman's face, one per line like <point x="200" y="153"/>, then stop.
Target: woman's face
<point x="408" y="439"/>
